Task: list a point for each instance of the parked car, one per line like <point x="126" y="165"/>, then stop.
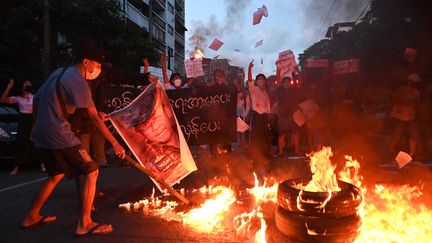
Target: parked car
<point x="8" y="131"/>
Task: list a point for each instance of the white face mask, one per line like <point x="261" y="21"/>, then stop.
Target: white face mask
<point x="177" y="82"/>
<point x="94" y="74"/>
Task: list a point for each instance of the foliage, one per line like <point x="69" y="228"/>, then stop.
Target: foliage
<point x="21" y="32"/>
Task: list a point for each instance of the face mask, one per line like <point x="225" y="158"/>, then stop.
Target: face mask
<point x="28" y="88"/>
<point x="177" y="82"/>
<point x="92" y="75"/>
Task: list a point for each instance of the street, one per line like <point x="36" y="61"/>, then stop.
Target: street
<point x="121" y="184"/>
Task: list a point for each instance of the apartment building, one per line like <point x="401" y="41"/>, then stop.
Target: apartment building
<point x="164" y="21"/>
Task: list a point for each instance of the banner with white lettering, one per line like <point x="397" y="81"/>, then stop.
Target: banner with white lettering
<point x="207" y="115"/>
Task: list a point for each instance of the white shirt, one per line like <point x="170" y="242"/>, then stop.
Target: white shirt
<point x="25" y="103"/>
<point x="260" y="99"/>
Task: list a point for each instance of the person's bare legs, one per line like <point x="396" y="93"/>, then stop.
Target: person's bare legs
<point x="85" y="222"/>
<point x="33" y="216"/>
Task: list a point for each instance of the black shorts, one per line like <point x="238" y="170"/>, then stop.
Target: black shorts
<point x="72" y="161"/>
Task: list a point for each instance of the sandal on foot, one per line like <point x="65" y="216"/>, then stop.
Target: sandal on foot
<point x="98" y="229"/>
<point x="43" y="220"/>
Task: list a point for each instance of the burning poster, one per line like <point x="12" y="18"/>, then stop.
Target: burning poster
<point x="151" y="131"/>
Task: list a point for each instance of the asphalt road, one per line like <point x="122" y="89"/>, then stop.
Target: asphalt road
<point x="122" y="185"/>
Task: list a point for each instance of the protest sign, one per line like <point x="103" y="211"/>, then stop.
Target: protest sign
<point x="218" y="64"/>
<point x="346" y="66"/>
<point x="207" y="115"/>
<point x="299" y="118"/>
<point x="286" y="63"/>
<point x="194" y="67"/>
<point x="309" y="108"/>
<point x="120" y="96"/>
<point x="316" y="63"/>
<point x="216" y="44"/>
<point x="151" y="131"/>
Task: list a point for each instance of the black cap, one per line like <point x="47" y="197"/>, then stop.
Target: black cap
<point x="85" y="47"/>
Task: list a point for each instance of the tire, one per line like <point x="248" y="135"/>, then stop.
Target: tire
<point x="317" y="229"/>
<point x="342" y="204"/>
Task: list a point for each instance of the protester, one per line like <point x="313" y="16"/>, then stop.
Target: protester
<point x="175" y="81"/>
<point x="288" y="97"/>
<point x="260" y="134"/>
<point x="23" y="147"/>
<point x="316" y="126"/>
<point x="64" y="91"/>
<point x="405" y="99"/>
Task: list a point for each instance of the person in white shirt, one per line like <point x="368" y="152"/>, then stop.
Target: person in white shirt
<point x="260" y="135"/>
<point x="23" y="144"/>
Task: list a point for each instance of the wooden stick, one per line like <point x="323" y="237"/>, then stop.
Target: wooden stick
<point x="161" y="182"/>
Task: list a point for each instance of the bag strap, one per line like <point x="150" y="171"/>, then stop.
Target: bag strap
<point x="59" y="94"/>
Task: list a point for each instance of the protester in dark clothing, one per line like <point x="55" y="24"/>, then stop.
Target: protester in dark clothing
<point x="288" y="97"/>
<point x="23" y="146"/>
<point x="405" y="100"/>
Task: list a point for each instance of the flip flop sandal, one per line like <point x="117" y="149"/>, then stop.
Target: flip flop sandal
<point x="92" y="231"/>
<point x="44" y="220"/>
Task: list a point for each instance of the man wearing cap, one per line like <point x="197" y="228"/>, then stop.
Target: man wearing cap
<point x="61" y="149"/>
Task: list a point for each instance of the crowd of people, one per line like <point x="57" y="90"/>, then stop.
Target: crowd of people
<point x="64" y="120"/>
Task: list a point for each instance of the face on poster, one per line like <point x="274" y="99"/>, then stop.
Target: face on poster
<point x="149" y="128"/>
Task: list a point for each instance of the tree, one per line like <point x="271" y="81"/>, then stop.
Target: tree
<point x="21" y="31"/>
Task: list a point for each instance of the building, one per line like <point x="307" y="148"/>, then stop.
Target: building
<point x="339" y="27"/>
<point x="164" y="21"/>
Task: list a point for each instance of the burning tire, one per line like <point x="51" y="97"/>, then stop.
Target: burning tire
<point x="341" y="204"/>
<point x="317" y="229"/>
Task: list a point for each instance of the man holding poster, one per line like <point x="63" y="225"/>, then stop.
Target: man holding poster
<point x="149" y="127"/>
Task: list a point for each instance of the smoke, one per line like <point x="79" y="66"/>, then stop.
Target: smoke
<point x="319" y="15"/>
<point x="202" y="32"/>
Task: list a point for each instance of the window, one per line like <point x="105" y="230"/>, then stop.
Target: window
<point x="170" y="29"/>
<point x="170" y="8"/>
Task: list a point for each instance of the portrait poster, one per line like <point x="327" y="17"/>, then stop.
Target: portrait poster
<point x="150" y="129"/>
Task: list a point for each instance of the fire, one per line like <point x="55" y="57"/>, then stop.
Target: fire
<point x="395" y="214"/>
<point x="210" y="215"/>
<point x="197" y="53"/>
<point x="323" y="178"/>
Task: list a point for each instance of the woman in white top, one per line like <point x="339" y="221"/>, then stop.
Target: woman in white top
<point x="260" y="135"/>
<point x="25" y="104"/>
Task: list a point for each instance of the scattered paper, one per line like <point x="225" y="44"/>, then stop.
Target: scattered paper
<point x="403" y="159"/>
<point x="216" y="44"/>
<point x="259" y="43"/>
<point x="242" y="126"/>
<point x="257" y="15"/>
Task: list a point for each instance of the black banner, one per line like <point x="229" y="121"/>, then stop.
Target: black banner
<point x="207" y="115"/>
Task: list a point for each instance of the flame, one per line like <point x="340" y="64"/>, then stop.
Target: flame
<point x="266" y="192"/>
<point x="395" y="214"/>
<point x="323" y="176"/>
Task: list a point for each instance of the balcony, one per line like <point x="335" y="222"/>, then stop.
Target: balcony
<point x="159" y="21"/>
<point x="136" y="16"/>
<point x="179" y="14"/>
<point x="158" y="5"/>
<point x="179" y="3"/>
<point x="179" y="38"/>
